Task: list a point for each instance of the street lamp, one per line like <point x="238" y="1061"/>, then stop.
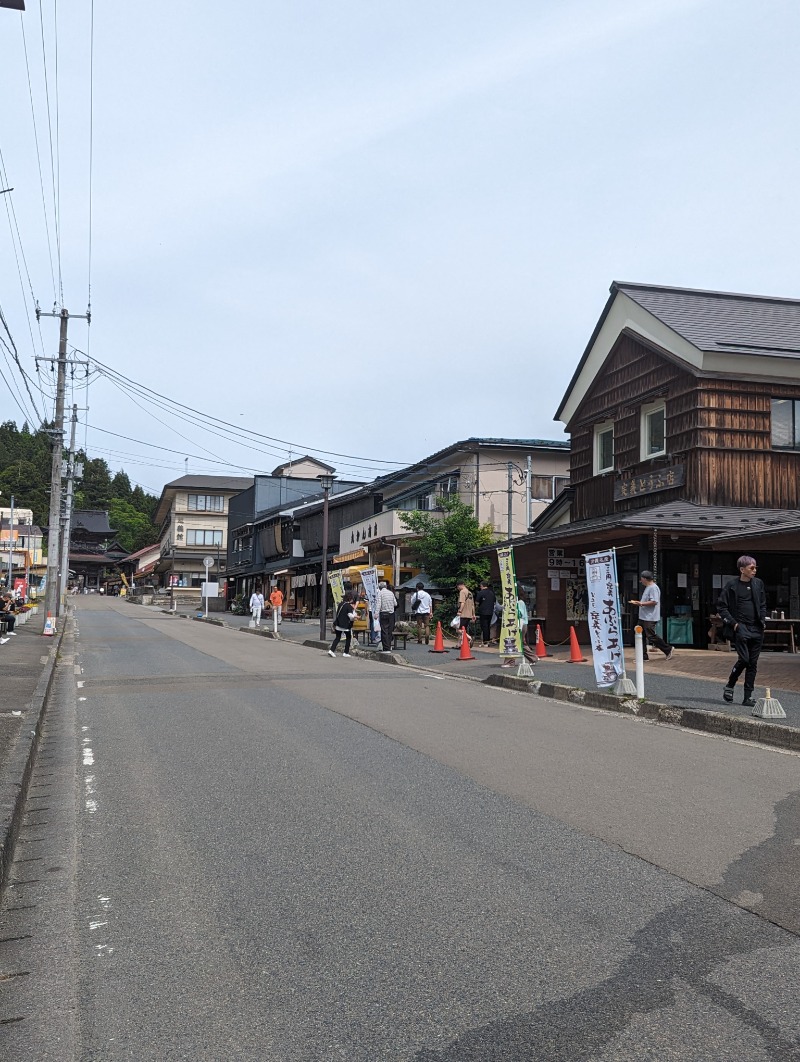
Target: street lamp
<point x="326" y="482"/>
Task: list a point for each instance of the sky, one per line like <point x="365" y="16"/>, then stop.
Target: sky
<point x="366" y="230"/>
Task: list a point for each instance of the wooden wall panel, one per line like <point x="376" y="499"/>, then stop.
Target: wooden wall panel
<point x="720" y="429"/>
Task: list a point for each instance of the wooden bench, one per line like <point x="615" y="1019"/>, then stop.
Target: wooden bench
<point x="785" y="638"/>
<point x="294" y="616"/>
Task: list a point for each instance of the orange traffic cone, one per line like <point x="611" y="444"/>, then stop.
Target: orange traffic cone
<point x="574" y="649"/>
<point x="466" y="653"/>
<point x="438" y="641"/>
<point x="541" y="650"/>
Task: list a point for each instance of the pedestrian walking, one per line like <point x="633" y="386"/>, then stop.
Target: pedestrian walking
<point x="343" y="624"/>
<point x="422" y="610"/>
<point x="466" y="608"/>
<point x="256" y="605"/>
<point x="742" y="604"/>
<point x="387" y="604"/>
<point x="276" y="600"/>
<point x="485" y="600"/>
<point x="650" y="614"/>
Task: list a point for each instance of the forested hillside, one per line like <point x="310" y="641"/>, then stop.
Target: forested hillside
<point x="25" y="472"/>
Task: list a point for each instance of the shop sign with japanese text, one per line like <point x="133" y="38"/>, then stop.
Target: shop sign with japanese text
<point x="649" y="482"/>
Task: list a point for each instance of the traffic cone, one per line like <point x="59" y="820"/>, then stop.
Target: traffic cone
<point x="540" y="646"/>
<point x="438" y="641"/>
<point x="574" y="649"/>
<point x="465" y="653"/>
<point x="49" y="626"/>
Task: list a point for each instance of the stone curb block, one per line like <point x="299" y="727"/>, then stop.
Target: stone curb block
<point x="674" y="715"/>
<point x="17" y="772"/>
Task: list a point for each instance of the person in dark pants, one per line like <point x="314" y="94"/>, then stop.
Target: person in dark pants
<point x="387" y="604"/>
<point x="484" y="602"/>
<point x="743" y="608"/>
<point x="650" y="614"/>
<point x="343" y="624"/>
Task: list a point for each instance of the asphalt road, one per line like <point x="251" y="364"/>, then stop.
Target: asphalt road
<point x="240" y="849"/>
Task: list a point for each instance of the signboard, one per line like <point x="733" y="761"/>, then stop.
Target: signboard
<point x="650" y="482"/>
<point x="510" y="635"/>
<point x="369" y="580"/>
<point x="209" y="589"/>
<point x="605" y="626"/>
<point x="336" y="583"/>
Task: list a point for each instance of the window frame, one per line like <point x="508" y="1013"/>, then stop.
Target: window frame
<point x="193" y="532"/>
<point x="205" y="507"/>
<point x="795" y="408"/>
<point x="647" y="412"/>
<point x="599" y="431"/>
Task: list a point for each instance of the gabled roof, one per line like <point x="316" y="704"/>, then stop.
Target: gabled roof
<point x="281" y="469"/>
<point x="95" y="521"/>
<point x="236" y="483"/>
<point x="721" y="320"/>
<point x="715" y="332"/>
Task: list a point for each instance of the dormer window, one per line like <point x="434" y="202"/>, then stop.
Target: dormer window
<point x="653" y="430"/>
<point x="604" y="448"/>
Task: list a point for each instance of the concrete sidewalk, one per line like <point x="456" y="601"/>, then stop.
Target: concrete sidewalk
<point x="27" y="662"/>
<point x="693" y="678"/>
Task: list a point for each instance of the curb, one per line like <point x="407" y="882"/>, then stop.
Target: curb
<point x="13" y="794"/>
<point x="735" y="726"/>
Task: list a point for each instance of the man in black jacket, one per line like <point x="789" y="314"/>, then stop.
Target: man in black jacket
<point x="485" y="601"/>
<point x="743" y="608"/>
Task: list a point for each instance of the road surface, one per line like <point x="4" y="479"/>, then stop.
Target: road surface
<point x="238" y="848"/>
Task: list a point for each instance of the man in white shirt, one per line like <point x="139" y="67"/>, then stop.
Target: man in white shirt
<point x="422" y="609"/>
<point x="387" y="603"/>
<point x="256" y="605"/>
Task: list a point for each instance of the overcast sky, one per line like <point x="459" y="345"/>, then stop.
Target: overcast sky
<point x="376" y="228"/>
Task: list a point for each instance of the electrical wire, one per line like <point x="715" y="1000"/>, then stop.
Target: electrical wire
<point x="57" y="220"/>
<point x="247" y="433"/>
<point x="38" y="156"/>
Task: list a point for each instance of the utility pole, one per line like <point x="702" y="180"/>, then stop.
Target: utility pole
<point x="51" y="590"/>
<point x="510" y="500"/>
<point x="67" y="522"/>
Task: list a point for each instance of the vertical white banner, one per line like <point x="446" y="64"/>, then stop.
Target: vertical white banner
<point x="605" y="621"/>
<point x="369" y="580"/>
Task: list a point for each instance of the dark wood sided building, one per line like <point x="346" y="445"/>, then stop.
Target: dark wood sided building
<point x="684" y="414"/>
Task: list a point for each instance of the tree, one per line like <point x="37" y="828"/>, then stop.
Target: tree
<point x="444" y="542"/>
<point x="134" y="529"/>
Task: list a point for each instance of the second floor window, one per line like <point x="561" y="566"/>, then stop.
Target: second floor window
<point x="786" y="424"/>
<point x="203" y="538"/>
<point x="604" y="448"/>
<point x="207" y="503"/>
<point x="654" y="439"/>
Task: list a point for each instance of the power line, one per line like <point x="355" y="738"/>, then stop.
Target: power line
<point x="38" y="155"/>
<point x="292" y="447"/>
<point x="57" y="219"/>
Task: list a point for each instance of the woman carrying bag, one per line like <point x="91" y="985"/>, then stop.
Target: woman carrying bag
<point x="343" y="624"/>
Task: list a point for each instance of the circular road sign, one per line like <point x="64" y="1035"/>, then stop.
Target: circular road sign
<point x="208" y="562"/>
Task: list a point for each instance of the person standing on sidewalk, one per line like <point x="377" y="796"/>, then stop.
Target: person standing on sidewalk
<point x="422" y="609"/>
<point x="650" y="613"/>
<point x="743" y="608"/>
<point x="343" y="624"/>
<point x="485" y="601"/>
<point x="276" y="600"/>
<point x="466" y="608"/>
<point x="387" y="604"/>
<point x="256" y="605"/>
